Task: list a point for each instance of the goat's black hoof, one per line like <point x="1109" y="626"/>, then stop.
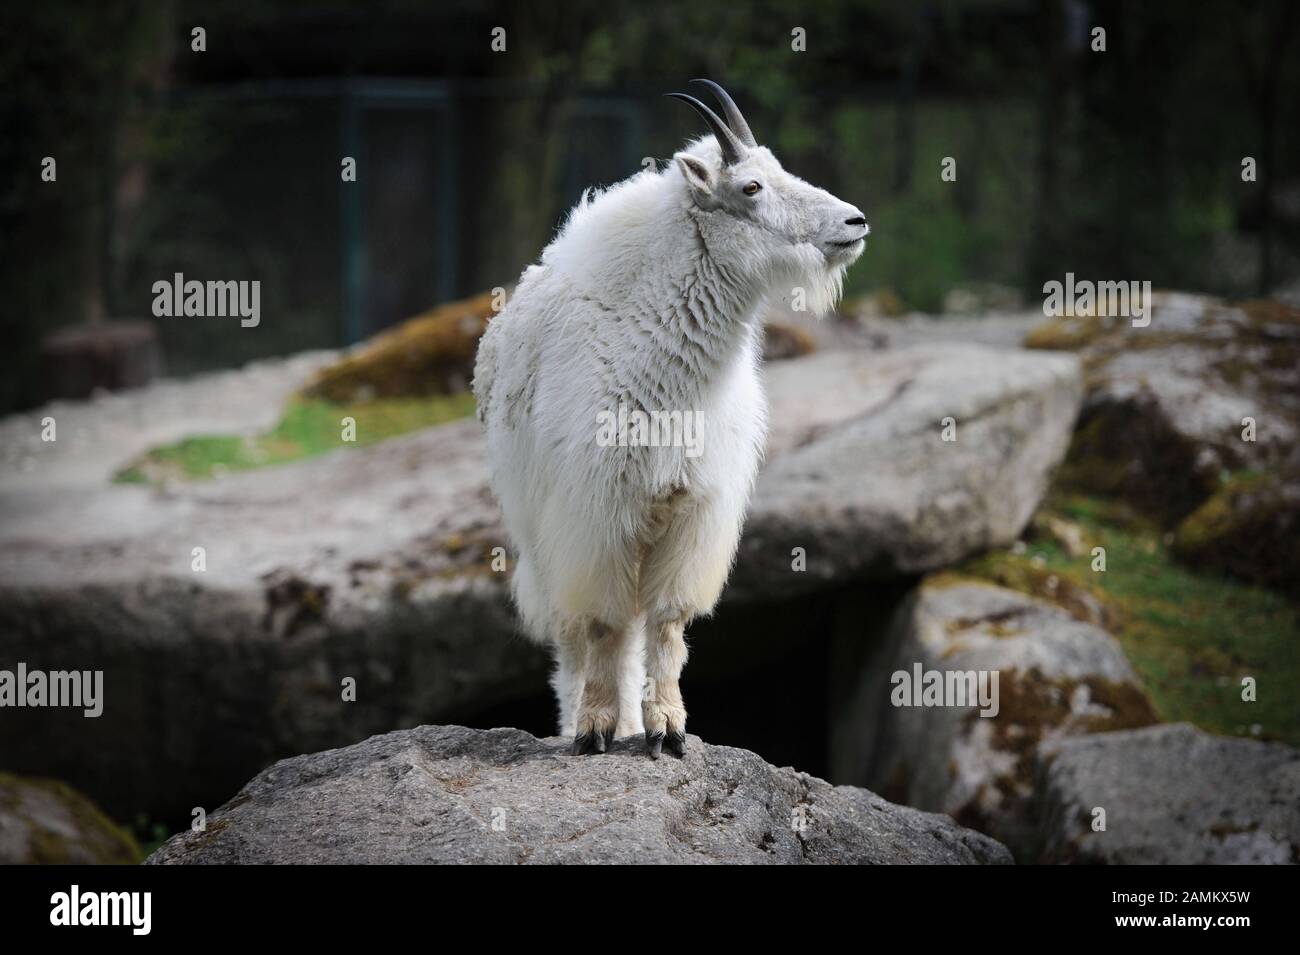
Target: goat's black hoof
<point x="675" y="743"/>
<point x="654" y="744"/>
<point x="585" y="744"/>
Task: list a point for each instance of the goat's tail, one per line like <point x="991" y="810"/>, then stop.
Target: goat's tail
<point x="530" y="601"/>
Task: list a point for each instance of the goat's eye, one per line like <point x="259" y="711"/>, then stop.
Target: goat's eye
<point x="751" y="188"/>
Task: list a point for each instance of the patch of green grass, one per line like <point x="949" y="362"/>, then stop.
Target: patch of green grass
<point x="309" y="427"/>
<point x="149" y="833"/>
<point x="1191" y="636"/>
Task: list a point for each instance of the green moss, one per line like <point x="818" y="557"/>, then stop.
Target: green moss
<point x="1128" y="452"/>
<point x="309" y="427"/>
<point x="1215" y="518"/>
<point x="150" y="833"/>
<point x="1191" y="635"/>
<point x="1250" y="528"/>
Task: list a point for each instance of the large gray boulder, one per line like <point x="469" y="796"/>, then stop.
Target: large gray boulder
<point x="970" y="758"/>
<point x="1172" y="794"/>
<point x="447" y="794"/>
<point x="860" y="475"/>
<point x="371" y="565"/>
<point x="379" y="564"/>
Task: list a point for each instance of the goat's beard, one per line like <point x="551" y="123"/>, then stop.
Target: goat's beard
<point x="820" y="279"/>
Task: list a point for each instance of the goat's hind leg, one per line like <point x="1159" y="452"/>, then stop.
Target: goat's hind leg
<point x="569" y="675"/>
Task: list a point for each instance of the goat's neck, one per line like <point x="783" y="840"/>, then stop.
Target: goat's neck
<point x="711" y="322"/>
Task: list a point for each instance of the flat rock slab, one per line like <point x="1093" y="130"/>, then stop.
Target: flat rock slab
<point x="1173" y="794"/>
<point x="861" y="477"/>
<point x="858" y="473"/>
<point x="376" y="564"/>
<point x="447" y="794"/>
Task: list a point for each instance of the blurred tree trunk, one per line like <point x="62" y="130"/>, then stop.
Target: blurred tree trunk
<point x="148" y="74"/>
<point x="529" y="124"/>
<point x="916" y="32"/>
<point x="905" y="123"/>
<point x="1043" y="247"/>
<point x="1262" y="75"/>
<point x="62" y="82"/>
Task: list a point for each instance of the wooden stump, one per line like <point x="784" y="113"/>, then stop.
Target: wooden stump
<point x="77" y="360"/>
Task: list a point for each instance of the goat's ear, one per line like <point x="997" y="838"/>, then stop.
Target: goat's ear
<point x="699" y="177"/>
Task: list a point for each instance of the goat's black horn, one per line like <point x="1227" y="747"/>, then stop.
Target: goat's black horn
<point x="730" y="145"/>
<point x="735" y="119"/>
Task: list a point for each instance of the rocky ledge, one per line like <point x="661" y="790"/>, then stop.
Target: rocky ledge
<point x="447" y="794"/>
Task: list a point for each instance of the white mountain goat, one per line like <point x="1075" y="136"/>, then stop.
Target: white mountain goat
<point x="625" y="417"/>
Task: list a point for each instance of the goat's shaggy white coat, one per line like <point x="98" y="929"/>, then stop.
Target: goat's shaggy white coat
<point x="649" y="297"/>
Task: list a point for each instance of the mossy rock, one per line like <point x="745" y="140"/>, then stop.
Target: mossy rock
<point x="1167" y="402"/>
<point x="1128" y="450"/>
<point x="1032" y="704"/>
<point x="1023" y="576"/>
<point x="1269" y="316"/>
<point x="47" y="822"/>
<point x="891" y="303"/>
<point x="1068" y="334"/>
<point x="882" y="303"/>
<point x="1034" y="708"/>
<point x="431" y="354"/>
<point x="782" y="341"/>
<point x="1250" y="529"/>
<point x="1056" y="677"/>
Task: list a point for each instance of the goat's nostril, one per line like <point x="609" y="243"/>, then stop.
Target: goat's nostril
<point x="856" y="220"/>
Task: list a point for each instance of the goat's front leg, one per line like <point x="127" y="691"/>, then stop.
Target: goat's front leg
<point x="598" y="710"/>
<point x="661" y="706"/>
